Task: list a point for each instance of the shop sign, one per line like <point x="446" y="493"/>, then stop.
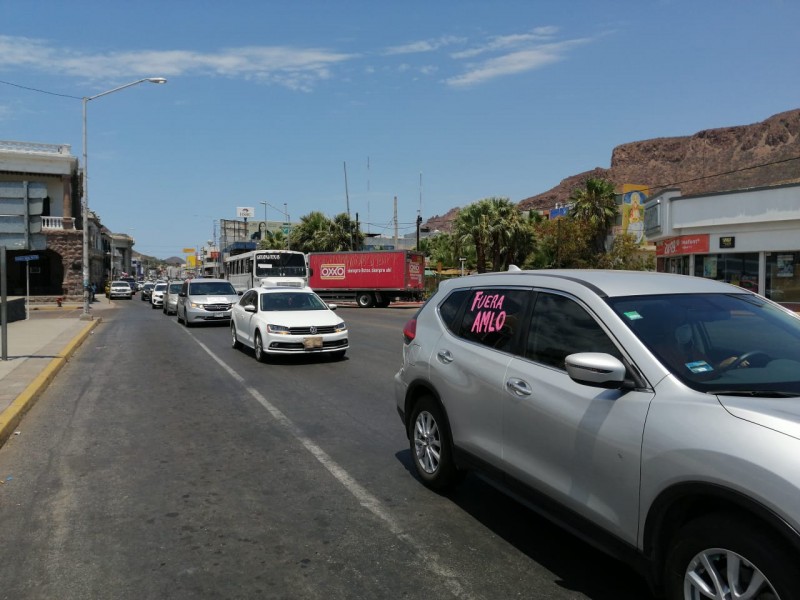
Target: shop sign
<point x="727" y="241"/>
<point x="685" y="244"/>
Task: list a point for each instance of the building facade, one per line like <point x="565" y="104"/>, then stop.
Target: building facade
<point x="750" y="238"/>
<point x="58" y="269"/>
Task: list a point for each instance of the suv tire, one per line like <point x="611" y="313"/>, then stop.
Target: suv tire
<point x="431" y="446"/>
<point x="717" y="539"/>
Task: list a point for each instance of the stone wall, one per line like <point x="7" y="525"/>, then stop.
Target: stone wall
<point x="68" y="244"/>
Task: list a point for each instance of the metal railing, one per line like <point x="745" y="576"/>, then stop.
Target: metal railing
<point x="35" y="148"/>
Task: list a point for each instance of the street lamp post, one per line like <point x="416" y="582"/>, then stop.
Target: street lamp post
<point x="85" y="195"/>
<point x="285" y="214"/>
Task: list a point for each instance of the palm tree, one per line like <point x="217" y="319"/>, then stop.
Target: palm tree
<point x="472" y="225"/>
<point x="595" y="205"/>
<point x="311" y="234"/>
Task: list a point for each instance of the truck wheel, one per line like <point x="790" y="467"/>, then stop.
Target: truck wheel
<point x="365" y="300"/>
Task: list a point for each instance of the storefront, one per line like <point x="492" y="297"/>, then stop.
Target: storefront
<point x="750" y="238"/>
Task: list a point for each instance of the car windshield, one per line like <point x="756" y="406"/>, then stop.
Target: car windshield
<point x="160" y="287"/>
<point x="719" y="343"/>
<point x="211" y="288"/>
<point x="174" y="288"/>
<point x="286" y="301"/>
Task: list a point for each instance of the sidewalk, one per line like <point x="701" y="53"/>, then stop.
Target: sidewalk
<point x="37" y="349"/>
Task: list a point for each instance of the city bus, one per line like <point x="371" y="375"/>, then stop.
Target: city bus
<point x="248" y="270"/>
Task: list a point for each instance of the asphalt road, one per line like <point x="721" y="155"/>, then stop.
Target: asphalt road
<point x="161" y="463"/>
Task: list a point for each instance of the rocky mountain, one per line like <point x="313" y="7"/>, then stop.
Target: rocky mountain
<point x="713" y="160"/>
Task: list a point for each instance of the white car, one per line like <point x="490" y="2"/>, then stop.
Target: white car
<point x="157" y="295"/>
<point x="120" y="289"/>
<point x="281" y="320"/>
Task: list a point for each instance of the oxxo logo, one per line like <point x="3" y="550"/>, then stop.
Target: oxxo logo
<point x="331" y="271"/>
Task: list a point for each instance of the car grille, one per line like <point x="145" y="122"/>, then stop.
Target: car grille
<point x="307" y="330"/>
<point x="217" y="307"/>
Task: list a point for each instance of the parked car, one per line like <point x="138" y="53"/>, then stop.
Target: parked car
<point x="131" y="282"/>
<point x="120" y="289"/>
<point x="281" y="320"/>
<point x="655" y="415"/>
<point x="147" y="289"/>
<point x="157" y="294"/>
<point x="205" y="300"/>
<point x="171" y="297"/>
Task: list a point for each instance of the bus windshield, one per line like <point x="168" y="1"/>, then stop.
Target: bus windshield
<point x="280" y="265"/>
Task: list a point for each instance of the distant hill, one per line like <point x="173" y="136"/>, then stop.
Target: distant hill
<point x="713" y="160"/>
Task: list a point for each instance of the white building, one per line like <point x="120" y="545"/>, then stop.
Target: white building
<point x="750" y="238"/>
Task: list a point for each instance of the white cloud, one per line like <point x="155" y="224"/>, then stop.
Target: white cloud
<point x="295" y="68"/>
<point x="512" y="63"/>
<point x="537" y="35"/>
<point x="424" y="46"/>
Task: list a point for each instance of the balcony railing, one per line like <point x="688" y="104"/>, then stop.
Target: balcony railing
<point x="35" y="148"/>
<point x="52" y="222"/>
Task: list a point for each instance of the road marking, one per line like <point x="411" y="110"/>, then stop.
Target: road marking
<point x="367" y="500"/>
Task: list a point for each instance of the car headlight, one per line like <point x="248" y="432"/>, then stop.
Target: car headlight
<point x="340" y="327"/>
<point x="278" y="329"/>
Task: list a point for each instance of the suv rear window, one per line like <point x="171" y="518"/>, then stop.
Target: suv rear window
<point x="487" y="316"/>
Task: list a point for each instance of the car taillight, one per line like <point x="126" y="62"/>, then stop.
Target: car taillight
<point x="410" y="331"/>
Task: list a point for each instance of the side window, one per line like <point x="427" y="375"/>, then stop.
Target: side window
<point x="492" y="316"/>
<point x="450" y="309"/>
<point x="560" y="327"/>
<point x="248" y="299"/>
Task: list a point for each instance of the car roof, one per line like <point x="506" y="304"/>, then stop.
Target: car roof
<point x="604" y="283"/>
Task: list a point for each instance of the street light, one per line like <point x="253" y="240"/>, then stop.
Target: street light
<point x="285" y="214"/>
<point x="85" y="195"/>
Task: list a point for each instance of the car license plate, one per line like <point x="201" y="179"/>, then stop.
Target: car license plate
<point x="218" y="315"/>
<point x="310" y="343"/>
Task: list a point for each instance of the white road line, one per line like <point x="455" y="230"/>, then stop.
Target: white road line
<point x="367" y="500"/>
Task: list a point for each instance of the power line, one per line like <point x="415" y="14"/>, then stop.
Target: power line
<point x="732" y="172"/>
<point x="31" y="89"/>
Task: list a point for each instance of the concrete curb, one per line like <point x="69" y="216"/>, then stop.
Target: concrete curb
<point x="11" y="417"/>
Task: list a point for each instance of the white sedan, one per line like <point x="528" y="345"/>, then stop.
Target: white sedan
<point x="280" y="320"/>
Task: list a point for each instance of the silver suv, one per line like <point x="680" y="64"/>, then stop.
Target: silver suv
<point x="204" y="300"/>
<point x="655" y="415"/>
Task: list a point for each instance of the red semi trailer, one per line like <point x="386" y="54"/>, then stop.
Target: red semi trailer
<point x="368" y="278"/>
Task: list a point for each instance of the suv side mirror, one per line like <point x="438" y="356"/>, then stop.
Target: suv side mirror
<point x="596" y="369"/>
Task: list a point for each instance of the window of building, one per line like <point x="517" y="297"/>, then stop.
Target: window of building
<point x="783" y="276"/>
<point x="736" y="268"/>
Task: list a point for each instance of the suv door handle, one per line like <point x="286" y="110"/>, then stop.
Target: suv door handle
<point x="518" y="387"/>
<point x="445" y="356"/>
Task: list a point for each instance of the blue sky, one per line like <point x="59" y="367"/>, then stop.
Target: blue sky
<point x="437" y="103"/>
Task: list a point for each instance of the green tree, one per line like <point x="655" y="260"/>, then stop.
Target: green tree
<point x="311" y="234"/>
<point x="626" y="253"/>
<point x="273" y="240"/>
<point x="472" y="225"/>
<point x="563" y="244"/>
<point x="498" y="232"/>
<point x="344" y="235"/>
<point x="595" y="205"/>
